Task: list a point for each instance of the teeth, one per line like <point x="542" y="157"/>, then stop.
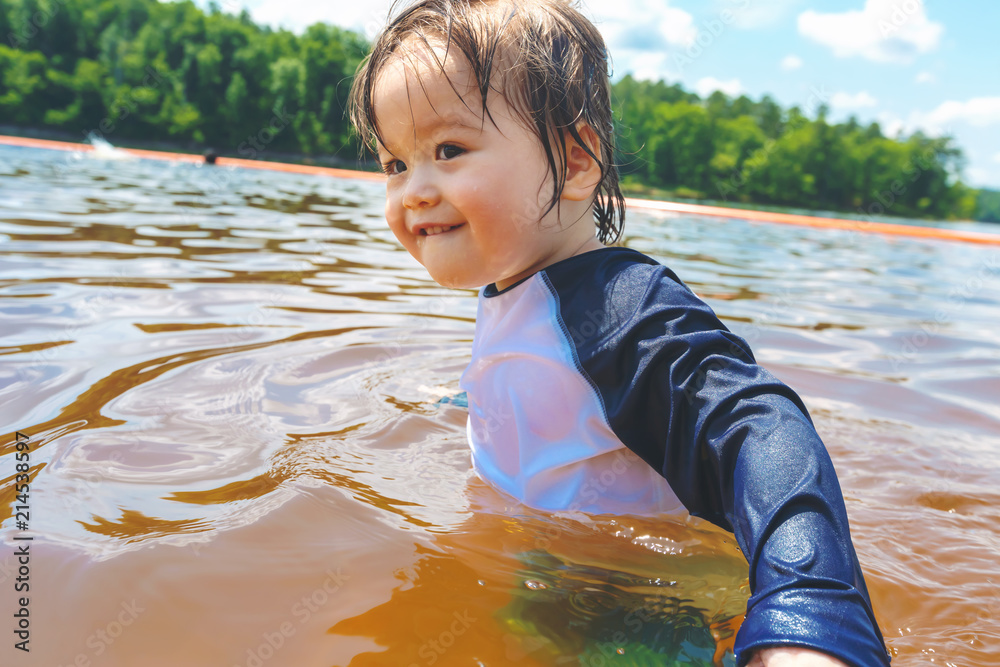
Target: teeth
<point x="431" y="231"/>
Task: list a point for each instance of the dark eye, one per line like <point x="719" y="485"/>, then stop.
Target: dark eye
<point x="393" y="167"/>
<point x="449" y="151"/>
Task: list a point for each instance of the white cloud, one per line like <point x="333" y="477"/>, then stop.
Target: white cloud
<point x="645" y="37"/>
<point x="758" y="14"/>
<point x="884" y="31"/>
<point x="645" y="65"/>
<point x="791" y="62"/>
<point x="978" y="111"/>
<point x="891" y="124"/>
<point x="710" y="84"/>
<point x="368" y="16"/>
<point x="976" y="175"/>
<point x="848" y="102"/>
<point x="943" y="119"/>
<point x="982" y="171"/>
<point x="926" y="77"/>
<point x="642" y="25"/>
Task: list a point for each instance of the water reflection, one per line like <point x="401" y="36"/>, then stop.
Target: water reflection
<point x="233" y="380"/>
<point x="537" y="590"/>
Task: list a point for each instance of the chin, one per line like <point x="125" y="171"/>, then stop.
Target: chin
<point x="458" y="284"/>
<point x="457" y="281"/>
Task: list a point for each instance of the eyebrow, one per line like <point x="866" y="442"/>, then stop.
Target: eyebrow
<point x="454" y="120"/>
<point x="447" y="121"/>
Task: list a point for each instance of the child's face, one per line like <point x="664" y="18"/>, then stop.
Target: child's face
<point x="465" y="196"/>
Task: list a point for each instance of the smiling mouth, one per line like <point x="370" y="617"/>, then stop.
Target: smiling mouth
<point x="441" y="229"/>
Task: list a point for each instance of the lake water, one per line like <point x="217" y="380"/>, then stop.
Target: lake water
<point x="243" y="450"/>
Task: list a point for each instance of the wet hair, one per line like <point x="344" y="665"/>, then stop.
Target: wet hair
<point x="543" y="57"/>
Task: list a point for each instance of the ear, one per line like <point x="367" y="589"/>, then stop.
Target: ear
<point x="583" y="173"/>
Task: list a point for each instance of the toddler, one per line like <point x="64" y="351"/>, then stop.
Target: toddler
<point x="598" y="381"/>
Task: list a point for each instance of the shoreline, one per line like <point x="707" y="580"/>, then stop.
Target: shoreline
<point x="866" y="226"/>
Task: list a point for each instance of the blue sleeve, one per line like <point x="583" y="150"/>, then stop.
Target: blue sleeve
<point x="736" y="445"/>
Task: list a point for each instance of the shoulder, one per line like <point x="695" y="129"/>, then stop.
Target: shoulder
<point x="605" y="293"/>
<point x="616" y="271"/>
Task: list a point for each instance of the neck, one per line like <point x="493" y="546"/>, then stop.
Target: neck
<point x="567" y="251"/>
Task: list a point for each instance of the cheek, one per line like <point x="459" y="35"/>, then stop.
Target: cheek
<point x="493" y="197"/>
<point x="528" y="182"/>
<point x="394" y="214"/>
<point x="404" y="238"/>
<point x="397" y="224"/>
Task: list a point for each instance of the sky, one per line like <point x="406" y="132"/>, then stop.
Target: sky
<point x="907" y="64"/>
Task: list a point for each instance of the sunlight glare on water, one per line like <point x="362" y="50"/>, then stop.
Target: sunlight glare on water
<point x="243" y="451"/>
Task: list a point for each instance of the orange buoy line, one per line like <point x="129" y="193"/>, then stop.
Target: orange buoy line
<point x="195" y="159"/>
<point x="815" y="221"/>
<point x="670" y="207"/>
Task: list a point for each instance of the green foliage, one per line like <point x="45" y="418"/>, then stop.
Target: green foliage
<point x="754" y="152"/>
<point x="142" y="69"/>
<point x="988" y="206"/>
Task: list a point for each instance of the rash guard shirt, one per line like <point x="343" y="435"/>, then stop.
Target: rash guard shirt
<point x="603" y="384"/>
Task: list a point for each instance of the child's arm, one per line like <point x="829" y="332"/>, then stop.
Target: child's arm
<point x="759" y="468"/>
<point x="738" y="449"/>
<point x="775" y="485"/>
<point x="792" y="657"/>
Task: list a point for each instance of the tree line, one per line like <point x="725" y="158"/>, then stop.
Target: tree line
<point x="146" y="70"/>
<point x="142" y="70"/>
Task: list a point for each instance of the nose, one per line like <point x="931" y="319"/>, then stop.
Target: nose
<point x="421" y="190"/>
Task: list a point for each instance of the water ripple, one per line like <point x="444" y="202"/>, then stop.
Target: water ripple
<point x="236" y="372"/>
